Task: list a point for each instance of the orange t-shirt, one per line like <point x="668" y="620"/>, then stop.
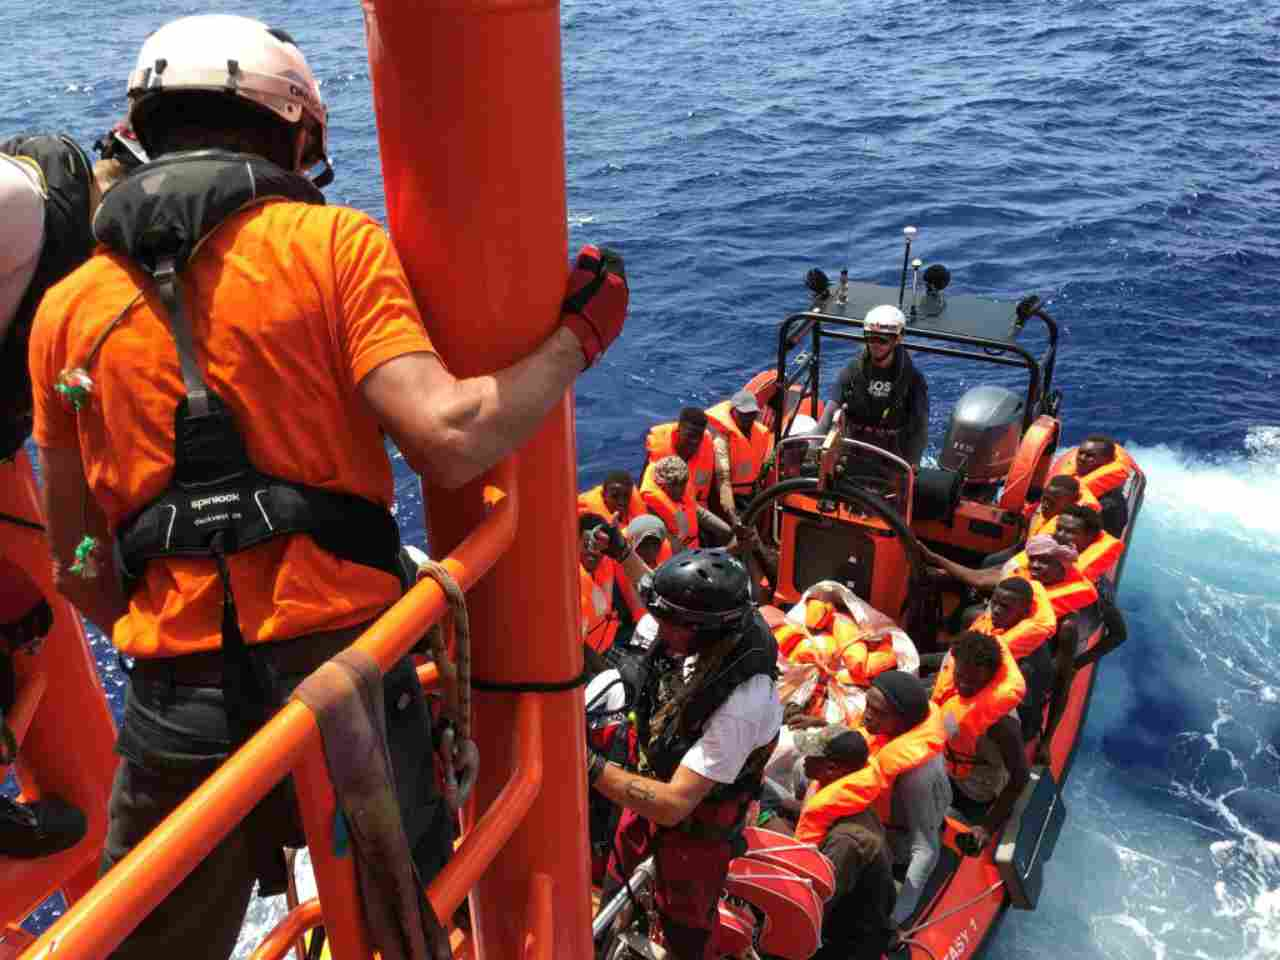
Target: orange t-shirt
<point x="308" y="300"/>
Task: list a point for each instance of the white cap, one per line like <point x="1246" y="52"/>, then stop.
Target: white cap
<point x="21" y="232"/>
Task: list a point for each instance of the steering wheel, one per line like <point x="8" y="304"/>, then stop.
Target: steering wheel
<point x="870" y="505"/>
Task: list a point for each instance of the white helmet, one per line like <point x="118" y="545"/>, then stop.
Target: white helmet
<point x="885" y="319"/>
<point x="237" y="56"/>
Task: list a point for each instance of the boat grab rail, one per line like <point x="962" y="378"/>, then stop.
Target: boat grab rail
<point x="289" y="743"/>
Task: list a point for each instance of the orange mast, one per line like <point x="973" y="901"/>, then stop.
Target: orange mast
<point x="469" y="107"/>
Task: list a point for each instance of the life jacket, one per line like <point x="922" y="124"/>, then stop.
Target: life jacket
<point x="595" y="592"/>
<point x="681" y="518"/>
<point x="68" y="241"/>
<point x="872" y="786"/>
<point x="1025" y="636"/>
<point x="756" y="654"/>
<point x="746" y="454"/>
<point x="967" y="718"/>
<point x="217" y="503"/>
<point x="1072" y="593"/>
<point x="840" y="648"/>
<point x="1037" y="524"/>
<point x="592" y="501"/>
<point x="879" y="420"/>
<point x="1108" y="477"/>
<point x="1100" y="557"/>
<point x="661" y="442"/>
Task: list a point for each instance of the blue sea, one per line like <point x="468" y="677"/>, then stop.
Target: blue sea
<point x="1121" y="160"/>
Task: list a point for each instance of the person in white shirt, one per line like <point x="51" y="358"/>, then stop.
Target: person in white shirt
<point x="708" y="717"/>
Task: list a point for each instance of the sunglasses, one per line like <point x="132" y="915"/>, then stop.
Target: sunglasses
<point x="878" y="338"/>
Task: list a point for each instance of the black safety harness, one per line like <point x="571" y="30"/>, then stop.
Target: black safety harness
<point x="756" y="654"/>
<point x="217" y="503"/>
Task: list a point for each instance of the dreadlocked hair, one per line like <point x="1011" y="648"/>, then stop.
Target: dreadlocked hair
<point x="708" y="666"/>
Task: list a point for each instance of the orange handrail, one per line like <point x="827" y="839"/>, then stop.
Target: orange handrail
<point x="478" y="849"/>
<point x="117" y="902"/>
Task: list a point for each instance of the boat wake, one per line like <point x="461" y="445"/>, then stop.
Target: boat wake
<point x="1172" y="846"/>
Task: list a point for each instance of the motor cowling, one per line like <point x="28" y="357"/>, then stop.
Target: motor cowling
<point x="983" y="433"/>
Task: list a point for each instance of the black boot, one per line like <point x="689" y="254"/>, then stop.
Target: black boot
<point x="32" y="830"/>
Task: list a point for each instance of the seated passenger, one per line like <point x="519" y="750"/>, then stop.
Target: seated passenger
<point x="978" y="693"/>
<point x="1099" y="551"/>
<point x="616" y="497"/>
<point x="687" y="439"/>
<point x="846" y="817"/>
<point x="1103" y="466"/>
<point x="885" y="398"/>
<point x="665" y="492"/>
<point x="648" y="535"/>
<point x="1020" y="615"/>
<point x="605" y="560"/>
<point x="1059" y="492"/>
<point x="1073" y="597"/>
<point x="741" y="444"/>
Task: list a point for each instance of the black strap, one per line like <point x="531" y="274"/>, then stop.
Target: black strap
<point x="166" y="278"/>
<point x="532" y="686"/>
<point x="20" y="522"/>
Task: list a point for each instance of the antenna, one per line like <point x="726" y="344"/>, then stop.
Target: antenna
<point x="909" y="233"/>
<point x="916" y="264"/>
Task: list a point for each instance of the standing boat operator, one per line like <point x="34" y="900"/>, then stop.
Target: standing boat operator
<point x="708" y="718"/>
<point x="238" y="349"/>
<point x="884" y="397"/>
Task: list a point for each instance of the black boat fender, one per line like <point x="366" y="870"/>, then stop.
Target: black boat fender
<point x="1028" y="838"/>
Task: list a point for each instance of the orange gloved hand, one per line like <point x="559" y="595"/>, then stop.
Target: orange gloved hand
<point x="595" y="305"/>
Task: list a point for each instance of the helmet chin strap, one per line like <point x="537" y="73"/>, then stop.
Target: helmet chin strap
<point x="301" y="141"/>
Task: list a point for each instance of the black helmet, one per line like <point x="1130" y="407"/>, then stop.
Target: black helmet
<point x="705" y="589"/>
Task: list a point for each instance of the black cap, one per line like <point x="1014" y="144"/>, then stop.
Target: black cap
<point x="905" y="693"/>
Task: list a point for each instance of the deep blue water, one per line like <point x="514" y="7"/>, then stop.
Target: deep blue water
<point x="1120" y="159"/>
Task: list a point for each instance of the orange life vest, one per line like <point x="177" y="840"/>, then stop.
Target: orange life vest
<point x="746" y="454"/>
<point x="889" y="760"/>
<point x="681" y="518"/>
<point x="1025" y="636"/>
<point x="840" y="648"/>
<point x="1072" y="593"/>
<point x="1038" y="524"/>
<point x="968" y="718"/>
<point x="661" y="442"/>
<point x="595" y="595"/>
<point x="1100" y="557"/>
<point x="592" y="501"/>
<point x="1108" y="477"/>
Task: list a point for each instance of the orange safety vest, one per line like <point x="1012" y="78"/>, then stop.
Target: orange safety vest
<point x="968" y="718"/>
<point x="1038" y="524"/>
<point x="1108" y="477"/>
<point x="746" y="454"/>
<point x="595" y="595"/>
<point x="1072" y="593"/>
<point x="661" y="442"/>
<point x="889" y="760"/>
<point x="1025" y="636"/>
<point x="841" y="647"/>
<point x="592" y="501"/>
<point x="1100" y="557"/>
<point x="681" y="518"/>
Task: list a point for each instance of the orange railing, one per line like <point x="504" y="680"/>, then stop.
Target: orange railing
<point x="290" y="744"/>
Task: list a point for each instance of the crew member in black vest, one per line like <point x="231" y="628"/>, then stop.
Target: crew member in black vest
<point x="708" y="717"/>
<point x="885" y="398"/>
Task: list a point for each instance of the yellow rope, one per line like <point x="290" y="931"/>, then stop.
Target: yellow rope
<point x="454" y="675"/>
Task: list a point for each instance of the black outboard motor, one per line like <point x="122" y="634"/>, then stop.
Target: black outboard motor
<point x="983" y="435"/>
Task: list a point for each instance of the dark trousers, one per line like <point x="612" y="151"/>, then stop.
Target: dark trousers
<point x="857" y="920"/>
<point x="691" y="874"/>
<point x="173" y="737"/>
<point x="1038" y="670"/>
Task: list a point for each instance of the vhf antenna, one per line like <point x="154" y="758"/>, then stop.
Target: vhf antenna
<point x="842" y="292"/>
<point x="909" y="233"/>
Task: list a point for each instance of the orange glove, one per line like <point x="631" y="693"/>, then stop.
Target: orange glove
<point x="596" y="304"/>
